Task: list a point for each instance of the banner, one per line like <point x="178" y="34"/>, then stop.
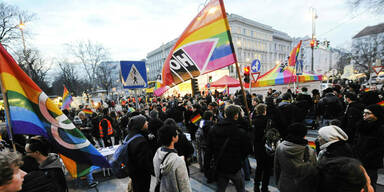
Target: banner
<point x="204" y="46"/>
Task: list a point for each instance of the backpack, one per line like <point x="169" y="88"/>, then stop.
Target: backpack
<point x="272" y="138"/>
<point x="120" y="159"/>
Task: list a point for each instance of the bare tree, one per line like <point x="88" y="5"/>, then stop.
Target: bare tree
<point x="344" y="60"/>
<point x="69" y="75"/>
<point x="365" y="51"/>
<point x="104" y="75"/>
<point x="10" y="18"/>
<point x="376" y="6"/>
<point x="34" y="65"/>
<point x="90" y="55"/>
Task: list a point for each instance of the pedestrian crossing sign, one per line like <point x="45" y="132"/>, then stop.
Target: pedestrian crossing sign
<point x="133" y="74"/>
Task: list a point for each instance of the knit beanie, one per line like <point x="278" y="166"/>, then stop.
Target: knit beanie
<point x="377" y="110"/>
<point x="297" y="129"/>
<point x="332" y="134"/>
<point x="137" y="122"/>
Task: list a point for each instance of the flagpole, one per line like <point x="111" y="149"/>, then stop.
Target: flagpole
<point x="10" y="131"/>
<point x="236" y="63"/>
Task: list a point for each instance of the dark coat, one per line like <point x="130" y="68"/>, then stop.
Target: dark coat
<point x="239" y="145"/>
<point x="330" y="106"/>
<point x="338" y="149"/>
<point x="353" y="114"/>
<point x="140" y="156"/>
<point x="369" y="146"/>
<point x="153" y="128"/>
<point x="260" y="124"/>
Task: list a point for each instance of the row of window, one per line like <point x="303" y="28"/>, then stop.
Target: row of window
<point x="251" y="33"/>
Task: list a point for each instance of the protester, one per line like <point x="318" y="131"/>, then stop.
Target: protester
<point x="343" y="174"/>
<point x="333" y="143"/>
<point x="369" y="145"/>
<point x="141" y="154"/>
<point x="205" y="126"/>
<point x="264" y="161"/>
<point x="229" y="145"/>
<point x="170" y="169"/>
<point x="11" y="176"/>
<point x="39" y="148"/>
<point x="353" y="114"/>
<point x="295" y="161"/>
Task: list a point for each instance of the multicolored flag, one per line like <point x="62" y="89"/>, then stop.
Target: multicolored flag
<point x="67" y="99"/>
<point x="204" y="46"/>
<point x="88" y="111"/>
<point x="195" y="120"/>
<point x="294" y="53"/>
<point x="32" y="112"/>
<point x="381" y="103"/>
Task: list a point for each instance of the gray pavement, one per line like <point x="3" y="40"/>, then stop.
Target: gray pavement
<point x="197" y="179"/>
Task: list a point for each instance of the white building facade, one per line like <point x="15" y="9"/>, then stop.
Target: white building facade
<point x="324" y="58"/>
<point x="368" y="46"/>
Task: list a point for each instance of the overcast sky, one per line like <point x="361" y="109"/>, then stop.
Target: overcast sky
<point x="130" y="29"/>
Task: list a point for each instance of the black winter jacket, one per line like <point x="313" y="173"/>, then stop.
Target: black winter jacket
<point x="369" y="146"/>
<point x="140" y="156"/>
<point x="239" y="145"/>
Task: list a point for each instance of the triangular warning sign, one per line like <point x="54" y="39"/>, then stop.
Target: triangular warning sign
<point x="255" y="76"/>
<point x="377" y="69"/>
<point x="134" y="78"/>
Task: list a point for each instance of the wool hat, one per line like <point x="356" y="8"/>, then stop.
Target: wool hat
<point x="137" y="122"/>
<point x="377" y="110"/>
<point x="297" y="129"/>
<point x="332" y="134"/>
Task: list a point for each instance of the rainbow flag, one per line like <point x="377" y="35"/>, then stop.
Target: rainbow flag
<point x="381" y="103"/>
<point x="204" y="46"/>
<point x="312" y="144"/>
<point x="294" y="53"/>
<point x="67" y="99"/>
<point x="31" y="112"/>
<point x="196" y="119"/>
<point x="282" y="74"/>
<point x="87" y="111"/>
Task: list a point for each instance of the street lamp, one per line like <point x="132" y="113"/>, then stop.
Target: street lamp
<point x="21" y="27"/>
<point x="314" y="17"/>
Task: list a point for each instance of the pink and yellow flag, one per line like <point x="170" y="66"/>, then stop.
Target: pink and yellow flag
<point x="204" y="46"/>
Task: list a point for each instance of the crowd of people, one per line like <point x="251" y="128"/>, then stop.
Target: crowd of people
<point x="217" y="132"/>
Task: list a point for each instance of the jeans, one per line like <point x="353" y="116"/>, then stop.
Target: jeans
<point x="90" y="178"/>
<point x="236" y="178"/>
<point x="247" y="169"/>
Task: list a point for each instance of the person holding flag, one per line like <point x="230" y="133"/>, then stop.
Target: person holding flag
<point x="30" y="111"/>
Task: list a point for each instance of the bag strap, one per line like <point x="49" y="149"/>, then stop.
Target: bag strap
<point x="160" y="175"/>
<point x="132" y="138"/>
<point x="221" y="153"/>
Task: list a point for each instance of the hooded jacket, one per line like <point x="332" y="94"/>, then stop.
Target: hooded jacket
<point x="335" y="145"/>
<point x="291" y="169"/>
<point x="54" y="169"/>
<point x="173" y="169"/>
